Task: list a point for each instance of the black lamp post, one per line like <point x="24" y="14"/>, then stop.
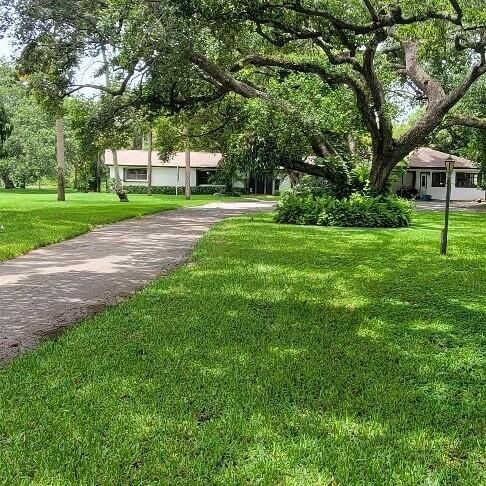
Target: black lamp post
<point x="449" y="163"/>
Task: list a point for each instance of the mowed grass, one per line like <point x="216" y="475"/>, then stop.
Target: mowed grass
<point x="30" y="219"/>
<point x="280" y="355"/>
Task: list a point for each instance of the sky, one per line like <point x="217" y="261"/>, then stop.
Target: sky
<point x="5" y="49"/>
<point x="85" y="74"/>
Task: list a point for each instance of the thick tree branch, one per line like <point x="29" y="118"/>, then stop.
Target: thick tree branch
<point x="371" y="10"/>
<point x="432" y="89"/>
<point x="226" y="81"/>
<point x="435" y="116"/>
<point x="465" y="121"/>
<point x="325" y="171"/>
<point x="385" y="139"/>
<point x="317" y="140"/>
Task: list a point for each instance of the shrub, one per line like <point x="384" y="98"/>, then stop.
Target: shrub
<point x="355" y="211"/>
<point x="229" y="194"/>
<point x="313" y="186"/>
<point x="295" y="208"/>
<point x="364" y="211"/>
<point x="171" y="191"/>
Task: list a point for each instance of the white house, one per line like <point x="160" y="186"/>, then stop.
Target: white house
<point x="134" y="171"/>
<point x="134" y="168"/>
<point x="426" y="174"/>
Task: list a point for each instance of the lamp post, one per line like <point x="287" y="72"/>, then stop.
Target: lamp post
<point x="449" y="163"/>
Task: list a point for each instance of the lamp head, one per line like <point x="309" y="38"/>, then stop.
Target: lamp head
<point x="450" y="163"/>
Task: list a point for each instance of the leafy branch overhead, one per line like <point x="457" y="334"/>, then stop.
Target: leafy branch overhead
<point x="171" y="56"/>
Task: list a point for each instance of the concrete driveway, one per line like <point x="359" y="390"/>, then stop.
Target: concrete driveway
<point x="52" y="288"/>
<point x="455" y="205"/>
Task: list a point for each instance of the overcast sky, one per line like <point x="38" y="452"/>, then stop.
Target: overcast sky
<point x="85" y="73"/>
<point x="5" y="49"/>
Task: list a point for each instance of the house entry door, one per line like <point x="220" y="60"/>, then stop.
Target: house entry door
<point x="424" y="181"/>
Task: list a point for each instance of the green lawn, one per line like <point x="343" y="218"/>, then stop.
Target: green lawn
<point x="280" y="355"/>
<point x="29" y="219"/>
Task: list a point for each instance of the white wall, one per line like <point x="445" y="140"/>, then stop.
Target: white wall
<point x="161" y="176"/>
<point x="285" y="184"/>
<point x="165" y="176"/>
<point x="458" y="193"/>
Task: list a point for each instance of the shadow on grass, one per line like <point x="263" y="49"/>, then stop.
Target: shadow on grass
<point x="281" y="355"/>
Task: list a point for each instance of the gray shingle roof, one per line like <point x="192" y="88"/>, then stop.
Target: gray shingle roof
<point x="427" y="158"/>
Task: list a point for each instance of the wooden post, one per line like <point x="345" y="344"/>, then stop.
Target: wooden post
<point x="61" y="162"/>
<point x="149" y="162"/>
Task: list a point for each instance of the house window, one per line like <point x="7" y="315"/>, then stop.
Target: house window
<point x="139" y="174"/>
<point x="439" y="179"/>
<point x="203" y="177"/>
<point x="467" y="180"/>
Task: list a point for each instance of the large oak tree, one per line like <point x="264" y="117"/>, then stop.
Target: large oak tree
<point x="170" y="54"/>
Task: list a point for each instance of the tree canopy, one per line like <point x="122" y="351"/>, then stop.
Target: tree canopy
<point x="323" y="69"/>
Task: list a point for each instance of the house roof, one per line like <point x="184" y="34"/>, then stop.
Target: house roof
<point x="138" y="158"/>
<point x="427" y="158"/>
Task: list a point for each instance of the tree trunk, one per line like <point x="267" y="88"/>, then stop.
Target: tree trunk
<point x="294" y="177"/>
<point x="188" y="174"/>
<point x="99" y="166"/>
<point x="351" y="144"/>
<point x="149" y="164"/>
<point x="76" y="178"/>
<point x="7" y="182"/>
<point x="61" y="163"/>
<point x="381" y="170"/>
<point x="120" y="192"/>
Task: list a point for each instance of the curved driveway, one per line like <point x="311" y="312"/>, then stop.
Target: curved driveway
<point x="52" y="288"/>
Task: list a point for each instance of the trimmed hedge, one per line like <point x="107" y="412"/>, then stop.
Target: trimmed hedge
<point x="356" y="211"/>
<point x="171" y="191"/>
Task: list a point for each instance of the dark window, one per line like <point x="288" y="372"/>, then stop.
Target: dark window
<point x="136" y="174"/>
<point x="439" y="179"/>
<point x="467" y="180"/>
<point x="203" y="177"/>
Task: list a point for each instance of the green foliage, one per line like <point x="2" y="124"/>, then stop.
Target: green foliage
<point x="309" y="77"/>
<point x="312" y="186"/>
<point x="83" y="152"/>
<point x="297" y="207"/>
<point x="170" y="190"/>
<point x="227" y="174"/>
<point x="29" y="152"/>
<point x="168" y="138"/>
<point x="368" y="212"/>
<point x="5" y="127"/>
